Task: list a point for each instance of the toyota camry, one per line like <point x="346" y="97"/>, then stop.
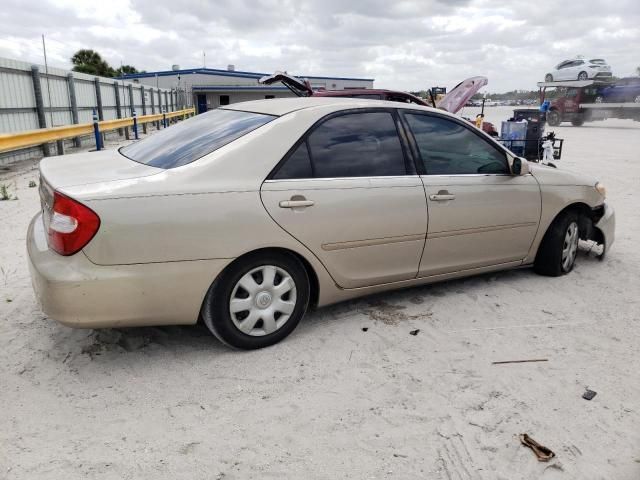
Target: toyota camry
<point x="249" y="215"/>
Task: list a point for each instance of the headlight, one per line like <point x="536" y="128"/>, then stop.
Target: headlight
<point x="601" y="189"/>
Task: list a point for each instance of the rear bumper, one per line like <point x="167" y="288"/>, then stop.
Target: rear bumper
<point x="79" y="293"/>
<point x="607" y="226"/>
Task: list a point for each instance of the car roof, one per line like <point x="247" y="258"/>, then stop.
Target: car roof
<point x="282" y="106"/>
<point x="367" y="91"/>
<point x="356" y="91"/>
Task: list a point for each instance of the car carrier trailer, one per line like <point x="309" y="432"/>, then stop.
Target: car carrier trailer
<point x="576" y="103"/>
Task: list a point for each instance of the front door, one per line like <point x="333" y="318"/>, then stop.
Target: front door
<point x="347" y="192"/>
<point x="202" y="103"/>
<point x="479" y="214"/>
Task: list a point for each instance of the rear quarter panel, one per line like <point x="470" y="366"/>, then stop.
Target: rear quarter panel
<point x="209" y="209"/>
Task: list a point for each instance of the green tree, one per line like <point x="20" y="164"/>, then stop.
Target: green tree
<point x="90" y="61"/>
<point x="126" y="70"/>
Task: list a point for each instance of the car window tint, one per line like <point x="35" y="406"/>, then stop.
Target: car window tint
<point x="193" y="138"/>
<point x="297" y="165"/>
<point x="449" y="148"/>
<point x="357" y="145"/>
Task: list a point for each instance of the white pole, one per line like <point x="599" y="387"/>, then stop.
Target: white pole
<point x="46" y="71"/>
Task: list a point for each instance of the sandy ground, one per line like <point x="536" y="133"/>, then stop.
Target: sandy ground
<point x="333" y="401"/>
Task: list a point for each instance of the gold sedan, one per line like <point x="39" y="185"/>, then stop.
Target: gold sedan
<point x="249" y="215"/>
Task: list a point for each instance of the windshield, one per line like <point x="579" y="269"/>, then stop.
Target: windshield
<point x="194" y="138"/>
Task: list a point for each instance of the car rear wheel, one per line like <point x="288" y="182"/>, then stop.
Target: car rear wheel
<point x="257" y="301"/>
<point x="553" y="118"/>
<point x="599" y="99"/>
<point x="637" y="99"/>
<point x="548" y="77"/>
<point x="583" y="76"/>
<point x="559" y="248"/>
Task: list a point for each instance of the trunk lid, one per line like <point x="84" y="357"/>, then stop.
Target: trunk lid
<point x="300" y="87"/>
<point x="458" y="97"/>
<point x="91" y="167"/>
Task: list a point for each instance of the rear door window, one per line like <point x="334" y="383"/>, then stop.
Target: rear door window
<point x="194" y="138"/>
<point x="349" y="145"/>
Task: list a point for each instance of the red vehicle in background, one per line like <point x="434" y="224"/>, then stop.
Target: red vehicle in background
<point x="582" y="101"/>
<point x="451" y="102"/>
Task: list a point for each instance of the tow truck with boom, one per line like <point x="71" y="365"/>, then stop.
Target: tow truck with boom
<point x="576" y="103"/>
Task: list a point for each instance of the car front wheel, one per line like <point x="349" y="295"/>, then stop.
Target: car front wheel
<point x="257" y="301"/>
<point x="559" y="248"/>
<point x="583" y="76"/>
<point x="548" y="77"/>
<point x="553" y="118"/>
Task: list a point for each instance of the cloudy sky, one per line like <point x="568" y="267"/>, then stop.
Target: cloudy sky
<point x="408" y="45"/>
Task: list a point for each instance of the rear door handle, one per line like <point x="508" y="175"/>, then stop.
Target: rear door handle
<point x="442" y="197"/>
<point x="296" y="203"/>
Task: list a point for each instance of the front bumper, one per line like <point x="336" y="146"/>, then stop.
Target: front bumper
<point x="607" y="227"/>
<point x="79" y="293"/>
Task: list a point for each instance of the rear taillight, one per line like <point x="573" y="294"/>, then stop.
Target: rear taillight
<point x="70" y="225"/>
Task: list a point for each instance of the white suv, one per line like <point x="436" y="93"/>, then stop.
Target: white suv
<point x="579" y="69"/>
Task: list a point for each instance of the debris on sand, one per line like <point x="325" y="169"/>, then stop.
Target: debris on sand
<point x="589" y="394"/>
<point x="543" y="453"/>
<point x="520" y="361"/>
<point x="414" y="332"/>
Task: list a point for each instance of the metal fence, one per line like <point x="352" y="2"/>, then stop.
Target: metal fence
<point x="33" y="97"/>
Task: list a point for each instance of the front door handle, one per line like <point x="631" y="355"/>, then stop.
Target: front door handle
<point x="442" y="196"/>
<point x="296" y="203"/>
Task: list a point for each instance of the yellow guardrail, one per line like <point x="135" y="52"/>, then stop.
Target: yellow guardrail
<point x="30" y="138"/>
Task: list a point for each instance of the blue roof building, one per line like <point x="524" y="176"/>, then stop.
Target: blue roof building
<point x="208" y="88"/>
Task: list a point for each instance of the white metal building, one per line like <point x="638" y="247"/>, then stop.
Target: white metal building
<point x="208" y="88"/>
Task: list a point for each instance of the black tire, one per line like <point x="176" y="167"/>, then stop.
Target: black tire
<point x="583" y="76"/>
<point x="216" y="311"/>
<point x="577" y="121"/>
<point x="553" y="118"/>
<point x="549" y="260"/>
<point x="548" y="77"/>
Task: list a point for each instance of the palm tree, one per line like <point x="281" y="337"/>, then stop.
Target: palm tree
<point x="90" y="61"/>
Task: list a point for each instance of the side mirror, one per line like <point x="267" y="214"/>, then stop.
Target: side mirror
<point x="519" y="166"/>
<point x="516" y="166"/>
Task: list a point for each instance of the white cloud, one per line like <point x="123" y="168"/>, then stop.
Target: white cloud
<point x="405" y="45"/>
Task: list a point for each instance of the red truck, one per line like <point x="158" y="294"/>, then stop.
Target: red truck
<point x="577" y="102"/>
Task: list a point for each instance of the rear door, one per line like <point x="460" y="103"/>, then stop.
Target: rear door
<point x="479" y="214"/>
<point x="348" y="191"/>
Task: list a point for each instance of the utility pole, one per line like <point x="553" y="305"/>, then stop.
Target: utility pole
<point x="46" y="72"/>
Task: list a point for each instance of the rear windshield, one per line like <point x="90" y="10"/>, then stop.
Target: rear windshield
<point x="194" y="138"/>
<point x="597" y="61"/>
